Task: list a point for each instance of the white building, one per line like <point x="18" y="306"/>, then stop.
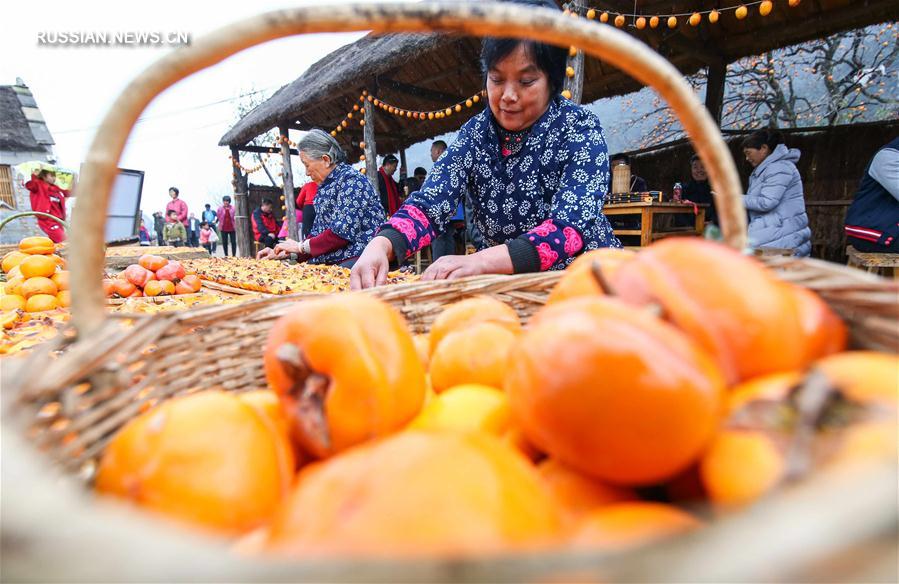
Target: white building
<point x="24" y="137"/>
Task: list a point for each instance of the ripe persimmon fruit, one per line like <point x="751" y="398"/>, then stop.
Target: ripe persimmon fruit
<point x="476" y="354"/>
<point x="417" y="493"/>
<point x="470" y="311"/>
<point x="208" y="459"/>
<point x="577" y="493"/>
<point x="613" y="392"/>
<point x="628" y="525"/>
<point x="356" y="379"/>
<point x="581" y="277"/>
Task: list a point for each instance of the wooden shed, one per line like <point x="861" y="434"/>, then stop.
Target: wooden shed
<point x="429" y="72"/>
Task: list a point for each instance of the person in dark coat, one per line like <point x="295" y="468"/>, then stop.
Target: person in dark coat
<point x="872" y="221"/>
<point x="698" y="190"/>
<point x="193" y="231"/>
<point x="387" y="187"/>
<point x="158" y="226"/>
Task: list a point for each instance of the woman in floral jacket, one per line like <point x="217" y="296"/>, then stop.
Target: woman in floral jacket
<point x="536" y="167"/>
<point x="347" y="209"/>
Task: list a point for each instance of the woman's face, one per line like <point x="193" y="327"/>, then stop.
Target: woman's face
<point x="697" y="171"/>
<point x="317" y="169"/>
<point x="517" y="90"/>
<point x="756" y="156"/>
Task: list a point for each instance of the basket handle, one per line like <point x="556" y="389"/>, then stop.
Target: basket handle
<point x="32" y="214"/>
<point x="469" y="18"/>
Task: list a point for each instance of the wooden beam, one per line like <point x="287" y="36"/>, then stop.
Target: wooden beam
<point x="714" y="90"/>
<point x="263" y="150"/>
<point x="287" y="176"/>
<point x="429" y="94"/>
<point x="371" y="151"/>
<point x="575" y="84"/>
<point x="241" y="206"/>
<point x="404" y="172"/>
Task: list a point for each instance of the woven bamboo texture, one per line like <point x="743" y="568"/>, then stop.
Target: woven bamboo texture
<point x="68" y="404"/>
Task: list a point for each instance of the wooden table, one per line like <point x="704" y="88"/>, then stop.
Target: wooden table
<point x="648" y="211"/>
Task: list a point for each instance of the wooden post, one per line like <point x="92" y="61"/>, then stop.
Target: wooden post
<point x="714" y="90"/>
<point x="576" y="84"/>
<point x="241" y="212"/>
<point x="371" y="151"/>
<point x="404" y="172"/>
<point x="289" y="198"/>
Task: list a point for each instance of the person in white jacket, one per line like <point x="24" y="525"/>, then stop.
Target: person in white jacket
<point x="774" y="199"/>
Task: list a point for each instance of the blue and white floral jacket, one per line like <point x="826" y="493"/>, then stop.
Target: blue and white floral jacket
<point x="346" y="203"/>
<point x="549" y="194"/>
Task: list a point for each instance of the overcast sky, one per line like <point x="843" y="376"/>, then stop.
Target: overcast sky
<point x="176" y="144"/>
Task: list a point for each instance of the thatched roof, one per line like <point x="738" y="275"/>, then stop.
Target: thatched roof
<point x="16" y="134"/>
<point x="424" y="72"/>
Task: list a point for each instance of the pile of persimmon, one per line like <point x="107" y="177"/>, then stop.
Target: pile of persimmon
<point x="152" y="275"/>
<point x="651" y="382"/>
<point x="36" y="279"/>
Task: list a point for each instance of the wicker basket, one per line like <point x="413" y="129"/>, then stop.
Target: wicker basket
<point x="68" y="404"/>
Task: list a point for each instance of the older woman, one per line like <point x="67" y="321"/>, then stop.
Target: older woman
<point x="347" y="209"/>
<point x="774" y="199"/>
<point x="534" y="164"/>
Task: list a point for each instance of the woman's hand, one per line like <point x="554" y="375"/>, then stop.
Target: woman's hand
<point x="372" y="266"/>
<point x="287" y="247"/>
<point x="493" y="260"/>
<point x="452" y="267"/>
<point x="281" y="251"/>
<point x="265" y="253"/>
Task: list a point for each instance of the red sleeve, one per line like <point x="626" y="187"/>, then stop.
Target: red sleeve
<point x="33" y="185"/>
<point x="326" y="241"/>
<point x="182" y="212"/>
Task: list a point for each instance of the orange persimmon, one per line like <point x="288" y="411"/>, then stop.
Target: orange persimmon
<point x="613" y="392"/>
<point x="41" y="303"/>
<point x="61" y="279"/>
<point x="64" y="298"/>
<point x="12" y="259"/>
<point x="728" y="303"/>
<point x="37" y="266"/>
<point x="38" y="285"/>
<point x="123" y="288"/>
<point x="627" y="525"/>
<point x="207" y="458"/>
<point x="151" y="262"/>
<point x="356" y="379"/>
<point x="577" y="493"/>
<point x="159" y="288"/>
<point x="579" y="278"/>
<point x="476" y="354"/>
<point x="417" y="493"/>
<point x="473" y="310"/>
<point x="37" y="246"/>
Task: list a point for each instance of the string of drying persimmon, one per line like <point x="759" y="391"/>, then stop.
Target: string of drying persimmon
<point x="695" y="18"/>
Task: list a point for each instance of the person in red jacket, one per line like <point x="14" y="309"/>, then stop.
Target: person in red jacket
<point x="48" y="198"/>
<point x="265" y="228"/>
<point x="226" y="224"/>
<point x="177" y="205"/>
<point x="306" y="205"/>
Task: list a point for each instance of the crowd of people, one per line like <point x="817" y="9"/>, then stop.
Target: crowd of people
<point x="178" y="227"/>
<point x="524" y="183"/>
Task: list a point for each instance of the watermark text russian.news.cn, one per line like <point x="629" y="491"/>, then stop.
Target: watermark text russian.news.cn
<point x="128" y="38"/>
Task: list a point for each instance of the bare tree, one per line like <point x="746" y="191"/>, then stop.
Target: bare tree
<point x="249" y="100"/>
<point x="844" y="78"/>
<point x="847" y="77"/>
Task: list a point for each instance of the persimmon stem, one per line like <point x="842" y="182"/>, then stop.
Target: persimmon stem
<point x="601" y="280"/>
<point x="310" y="390"/>
<point x="811" y="400"/>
